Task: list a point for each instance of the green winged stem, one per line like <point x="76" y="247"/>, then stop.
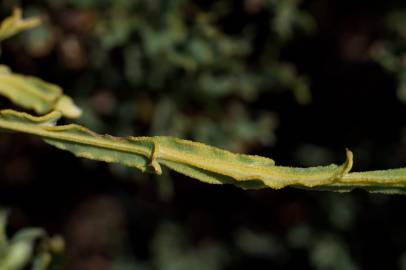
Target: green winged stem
<point x="391" y="181"/>
<point x="33" y="93"/>
<point x="203" y="162"/>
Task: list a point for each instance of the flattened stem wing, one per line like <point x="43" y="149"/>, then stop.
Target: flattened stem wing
<point x="202" y="162"/>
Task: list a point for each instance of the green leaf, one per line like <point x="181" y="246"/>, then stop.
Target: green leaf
<point x="14" y="24"/>
<point x="33" y="93"/>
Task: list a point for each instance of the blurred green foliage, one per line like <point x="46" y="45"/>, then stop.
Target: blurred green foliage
<point x="173" y="68"/>
<point x="390" y="50"/>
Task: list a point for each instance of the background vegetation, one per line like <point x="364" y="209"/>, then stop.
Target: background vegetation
<point x="295" y="81"/>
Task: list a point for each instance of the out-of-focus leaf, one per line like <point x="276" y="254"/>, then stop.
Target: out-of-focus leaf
<point x="33" y="93"/>
<point x="15" y="23"/>
<point x="331" y="253"/>
<point x="18" y="251"/>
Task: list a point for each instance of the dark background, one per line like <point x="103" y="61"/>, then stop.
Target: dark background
<point x="295" y="81"/>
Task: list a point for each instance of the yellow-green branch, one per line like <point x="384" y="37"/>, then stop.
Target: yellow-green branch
<point x="203" y="162"/>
